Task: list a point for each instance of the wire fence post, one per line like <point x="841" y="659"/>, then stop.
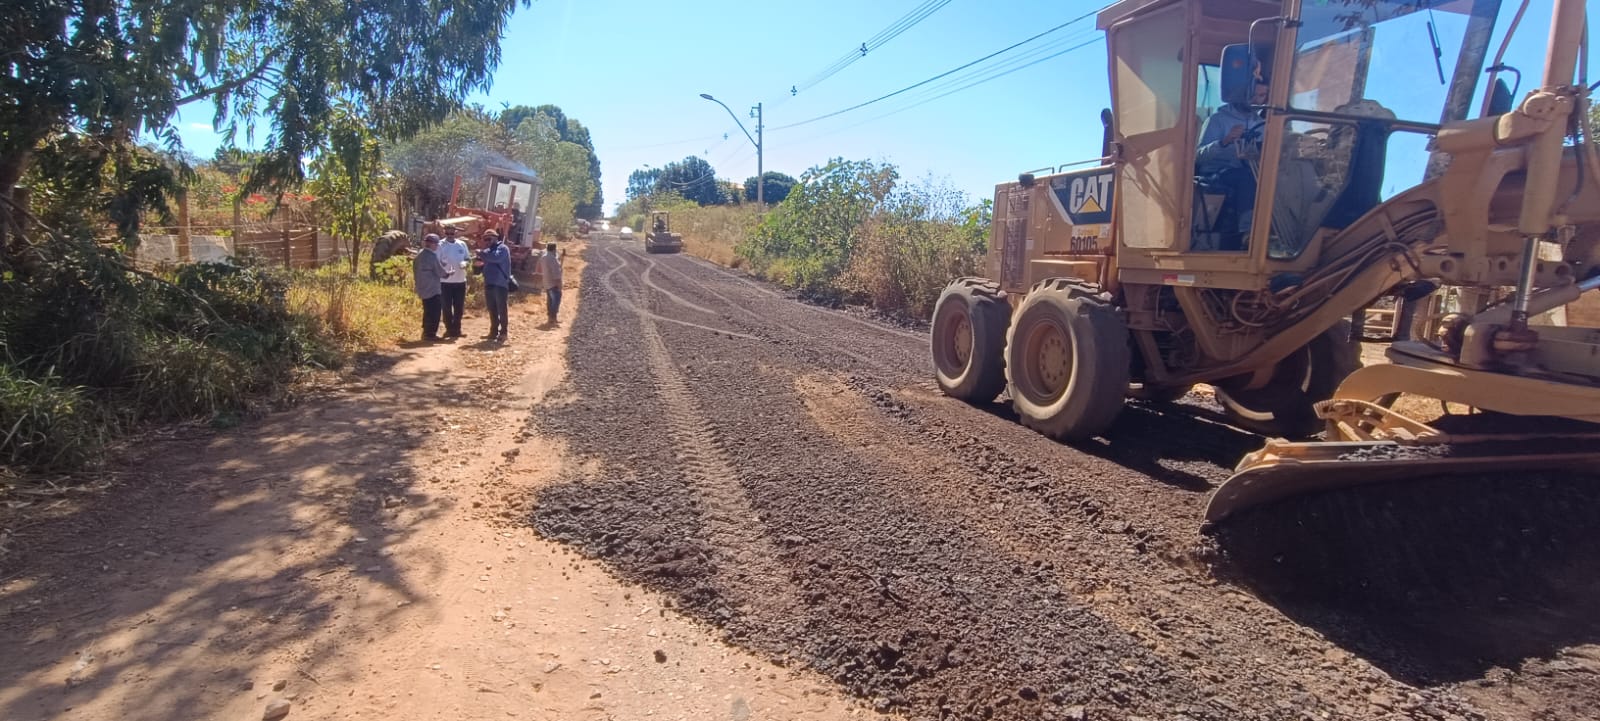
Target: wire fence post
<point x="185" y="252"/>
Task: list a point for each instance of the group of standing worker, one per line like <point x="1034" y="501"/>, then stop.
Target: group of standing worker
<point x="440" y="276"/>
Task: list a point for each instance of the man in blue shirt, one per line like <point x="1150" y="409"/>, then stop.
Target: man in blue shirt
<point x="496" y="283"/>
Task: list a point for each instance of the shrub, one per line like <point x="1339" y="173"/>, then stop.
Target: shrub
<point x="394" y="270"/>
<point x="90" y="346"/>
<point x="851" y="232"/>
<point x="47" y="426"/>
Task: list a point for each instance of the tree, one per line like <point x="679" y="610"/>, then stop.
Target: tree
<point x="348" y="175"/>
<point x="568" y="130"/>
<point x="562" y="166"/>
<point x="558" y="212"/>
<point x="776" y="188"/>
<point x="819" y="227"/>
<point x="112" y="71"/>
<point x="694" y="179"/>
<point x="642" y="182"/>
<point x="467" y="141"/>
<point x="460" y="145"/>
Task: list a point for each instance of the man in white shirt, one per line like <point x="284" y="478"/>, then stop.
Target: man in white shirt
<point x="454" y="255"/>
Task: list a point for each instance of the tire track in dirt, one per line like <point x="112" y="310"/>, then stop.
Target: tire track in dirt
<point x="643" y="312"/>
<point x="829" y="314"/>
<point x="761" y="324"/>
<point x="726" y="510"/>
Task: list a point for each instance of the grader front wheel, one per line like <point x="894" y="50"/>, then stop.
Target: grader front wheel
<point x="1067" y="361"/>
<point x="1283" y="407"/>
<point x="968" y="340"/>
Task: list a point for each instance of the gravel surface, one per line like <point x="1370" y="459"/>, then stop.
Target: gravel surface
<point x="792" y="476"/>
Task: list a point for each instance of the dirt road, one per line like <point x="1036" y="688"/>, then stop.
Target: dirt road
<point x="780" y="518"/>
<point x="362" y="556"/>
<point x="791" y="475"/>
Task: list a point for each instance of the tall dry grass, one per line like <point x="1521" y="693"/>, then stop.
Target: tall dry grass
<point x="359" y="313"/>
<point x="715" y="232"/>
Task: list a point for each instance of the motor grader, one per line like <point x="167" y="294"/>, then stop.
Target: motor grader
<point x="1271" y="169"/>
<point x="506" y="191"/>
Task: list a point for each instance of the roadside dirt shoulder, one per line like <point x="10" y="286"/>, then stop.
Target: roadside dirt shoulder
<point x="360" y="557"/>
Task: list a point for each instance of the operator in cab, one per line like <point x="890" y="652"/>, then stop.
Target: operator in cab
<point x="1230" y="138"/>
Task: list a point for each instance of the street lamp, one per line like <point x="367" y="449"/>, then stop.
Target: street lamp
<point x="761" y="182"/>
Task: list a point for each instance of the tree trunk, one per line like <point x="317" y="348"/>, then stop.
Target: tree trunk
<point x="11" y="169"/>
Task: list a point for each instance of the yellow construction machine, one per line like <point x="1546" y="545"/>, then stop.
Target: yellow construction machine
<point x="1271" y="169"/>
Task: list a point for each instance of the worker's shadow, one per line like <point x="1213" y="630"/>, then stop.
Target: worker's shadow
<point x="1435" y="580"/>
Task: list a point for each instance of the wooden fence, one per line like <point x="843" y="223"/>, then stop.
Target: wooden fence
<point x="280" y="244"/>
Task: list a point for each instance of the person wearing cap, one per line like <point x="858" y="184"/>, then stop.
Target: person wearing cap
<point x="426" y="271"/>
<point x="496" y="283"/>
<point x="455" y="255"/>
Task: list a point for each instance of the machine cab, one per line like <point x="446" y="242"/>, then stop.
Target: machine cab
<point x="515" y="194"/>
<point x="1247" y="133"/>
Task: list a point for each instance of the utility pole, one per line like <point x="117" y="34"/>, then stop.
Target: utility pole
<point x="761" y="176"/>
<point x="755" y="112"/>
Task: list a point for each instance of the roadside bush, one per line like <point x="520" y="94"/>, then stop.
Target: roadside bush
<point x="394" y="270"/>
<point x="924" y="236"/>
<point x="90" y="347"/>
<point x="352" y="313"/>
<point x="810" y="237"/>
<point x="850" y="232"/>
<point x="47" y="426"/>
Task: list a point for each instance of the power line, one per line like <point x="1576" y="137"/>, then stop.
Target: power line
<point x="894" y="30"/>
<point x="952" y="90"/>
<point x="685" y="141"/>
<point x="942" y="75"/>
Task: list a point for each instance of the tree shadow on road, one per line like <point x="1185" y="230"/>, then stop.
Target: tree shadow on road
<point x="1435" y="580"/>
<point x="193" y="572"/>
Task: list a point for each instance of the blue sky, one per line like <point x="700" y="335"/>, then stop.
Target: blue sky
<point x="633" y="70"/>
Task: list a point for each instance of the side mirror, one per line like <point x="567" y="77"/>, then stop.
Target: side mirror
<point x="1105" y="132"/>
<point x="1238" y="76"/>
<point x="1500" y="100"/>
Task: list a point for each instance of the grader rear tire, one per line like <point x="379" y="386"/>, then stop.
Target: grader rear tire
<point x="968" y="340"/>
<point x="1067" y="361"/>
<point x="1283" y="407"/>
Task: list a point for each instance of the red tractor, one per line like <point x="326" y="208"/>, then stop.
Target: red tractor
<point x="508" y="192"/>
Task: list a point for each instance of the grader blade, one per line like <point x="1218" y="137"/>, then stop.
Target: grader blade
<point x="1284" y="469"/>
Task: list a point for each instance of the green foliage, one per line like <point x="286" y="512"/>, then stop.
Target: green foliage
<point x="47" y="426"/>
<point x="89" y="346"/>
<point x="348" y="179"/>
<point x="642" y="182"/>
<point x="692" y="178"/>
<point x="79" y="182"/>
<point x="850" y="232"/>
<point x="559" y="213"/>
<point x="394" y="270"/>
<point x="776" y="187"/>
<point x="807" y="241"/>
<point x="922" y="237"/>
<point x="112" y="69"/>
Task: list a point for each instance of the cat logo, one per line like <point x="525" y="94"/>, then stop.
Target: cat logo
<point x="1086" y="197"/>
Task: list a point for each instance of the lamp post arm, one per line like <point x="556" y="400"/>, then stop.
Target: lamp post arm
<point x="735" y="117"/>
